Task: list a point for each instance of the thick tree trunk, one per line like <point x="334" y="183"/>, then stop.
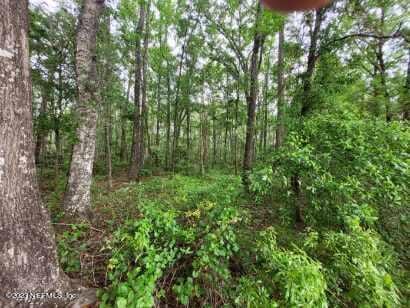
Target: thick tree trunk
<point x="312" y="58"/>
<point x="77" y="198"/>
<point x="135" y="149"/>
<point x="251" y="101"/>
<point x="144" y="106"/>
<point x="280" y="127"/>
<point x="28" y="258"/>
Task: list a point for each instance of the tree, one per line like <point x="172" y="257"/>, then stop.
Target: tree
<point x="280" y="128"/>
<point x="251" y="97"/>
<point x="28" y="255"/>
<point x="77" y="198"/>
<point x="136" y="158"/>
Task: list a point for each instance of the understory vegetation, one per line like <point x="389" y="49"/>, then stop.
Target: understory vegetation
<point x="192" y="240"/>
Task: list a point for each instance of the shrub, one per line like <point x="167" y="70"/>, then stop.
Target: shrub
<point x="300" y="279"/>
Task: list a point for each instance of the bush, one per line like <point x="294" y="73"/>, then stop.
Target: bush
<point x="194" y="241"/>
<point x="299" y="278"/>
<point x="359" y="266"/>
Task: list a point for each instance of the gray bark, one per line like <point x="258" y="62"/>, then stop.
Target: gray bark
<point x="251" y="100"/>
<point x="77" y="198"/>
<point x="28" y="259"/>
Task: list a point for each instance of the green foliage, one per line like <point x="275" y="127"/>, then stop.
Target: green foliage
<point x="300" y="279"/>
<point x="141" y="250"/>
<point x="351" y="168"/>
<point x="198" y="231"/>
<point x="252" y="293"/>
<point x="359" y="267"/>
<point x="70" y="246"/>
<point x="353" y="176"/>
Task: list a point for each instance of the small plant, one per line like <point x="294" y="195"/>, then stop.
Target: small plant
<point x="358" y="265"/>
<point x="300" y="279"/>
<point x="70" y="246"/>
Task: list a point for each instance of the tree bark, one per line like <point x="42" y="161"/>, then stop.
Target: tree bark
<point x="77" y="199"/>
<point x="235" y="148"/>
<point x="57" y="123"/>
<point x="135" y="149"/>
<point x="123" y="144"/>
<point x="168" y="145"/>
<point x="42" y="133"/>
<point x="144" y="106"/>
<point x="204" y="137"/>
<point x="28" y="258"/>
<point x="280" y="128"/>
<point x="251" y="101"/>
<point x="382" y="70"/>
<point x="266" y="105"/>
<point x="312" y="58"/>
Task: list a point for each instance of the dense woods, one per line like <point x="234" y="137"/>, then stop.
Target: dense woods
<point x="196" y="153"/>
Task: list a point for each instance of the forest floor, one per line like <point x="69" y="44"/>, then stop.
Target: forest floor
<point x="221" y="218"/>
<point x="83" y="247"/>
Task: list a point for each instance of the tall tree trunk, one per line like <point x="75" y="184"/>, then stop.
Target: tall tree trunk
<point x="108" y="142"/>
<point x="312" y="58"/>
<point x="168" y="144"/>
<point x="251" y="98"/>
<point x="213" y="137"/>
<point x="144" y="106"/>
<point x="177" y="114"/>
<point x="77" y="198"/>
<point x="204" y="137"/>
<point x="123" y="144"/>
<point x="188" y="131"/>
<point x="225" y="149"/>
<point x="135" y="149"/>
<point x="382" y="70"/>
<point x="235" y="148"/>
<point x="266" y="104"/>
<point x="57" y="122"/>
<point x="176" y="106"/>
<point x="158" y="125"/>
<point x="28" y="255"/>
<point x="306" y="108"/>
<point x="280" y="127"/>
<point x="41" y="136"/>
